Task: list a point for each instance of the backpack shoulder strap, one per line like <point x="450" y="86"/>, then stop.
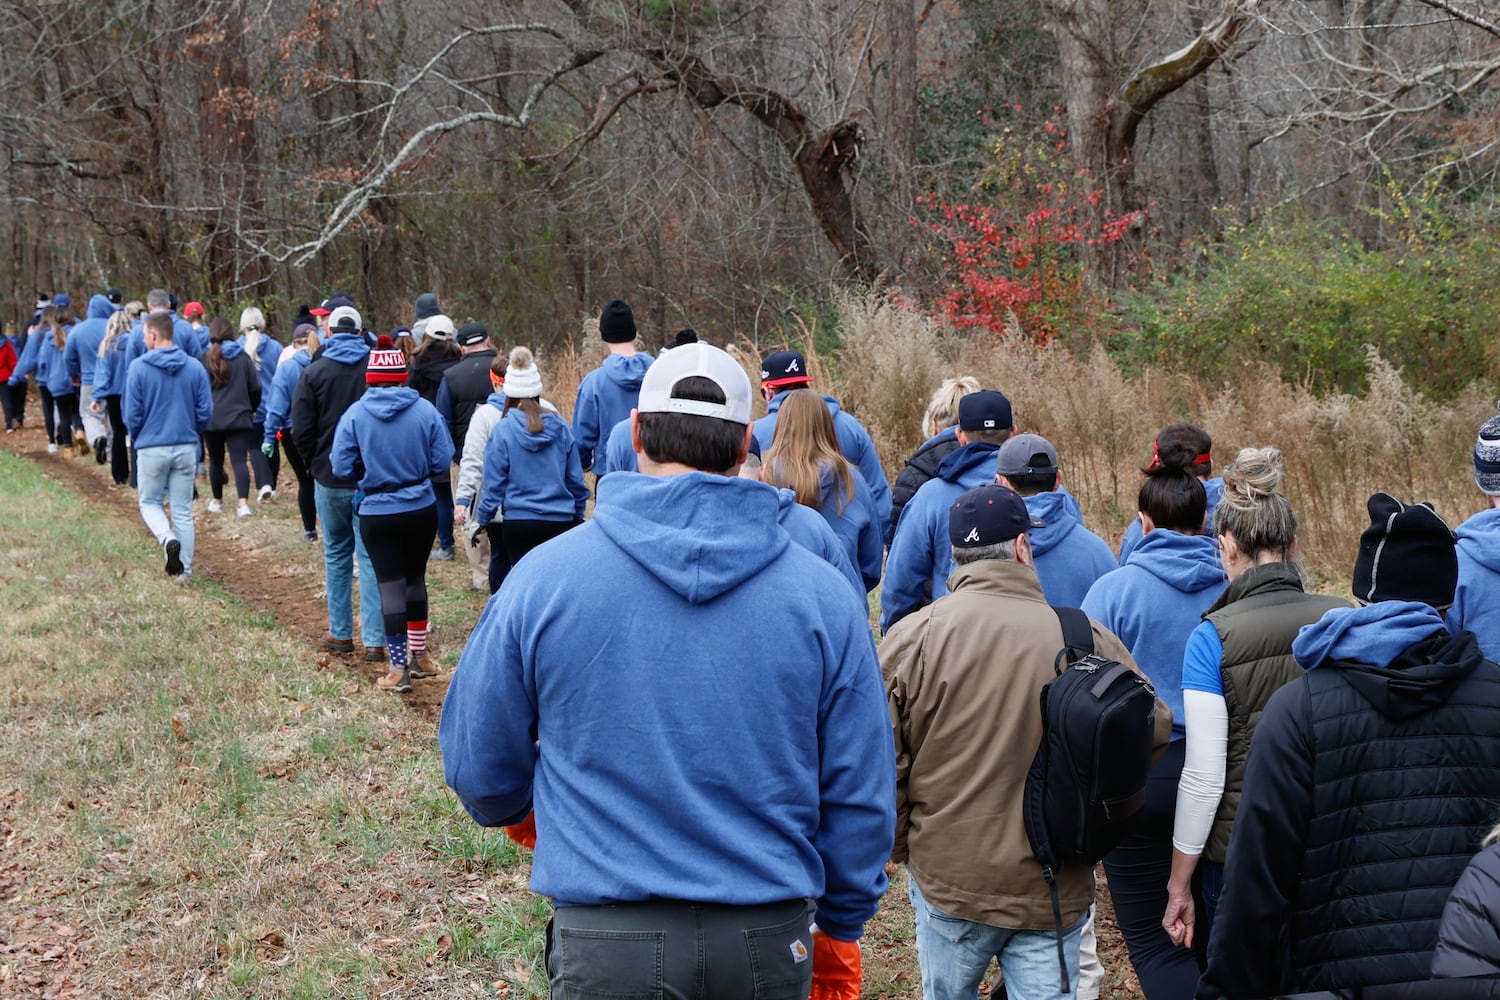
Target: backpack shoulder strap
<point x="1078" y="635"/>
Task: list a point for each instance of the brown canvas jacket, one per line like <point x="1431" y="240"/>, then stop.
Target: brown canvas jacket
<point x="964" y="678"/>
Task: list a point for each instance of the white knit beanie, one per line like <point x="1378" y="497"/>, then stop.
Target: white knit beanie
<point x="522" y="380"/>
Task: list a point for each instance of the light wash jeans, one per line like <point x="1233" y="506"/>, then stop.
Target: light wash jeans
<point x="166" y="472"/>
<point x="955" y="953"/>
<point x="341" y="541"/>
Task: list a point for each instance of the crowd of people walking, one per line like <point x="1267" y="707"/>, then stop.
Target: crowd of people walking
<point x="679" y="703"/>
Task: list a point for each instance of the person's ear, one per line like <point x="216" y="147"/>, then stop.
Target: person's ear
<point x="635" y="431"/>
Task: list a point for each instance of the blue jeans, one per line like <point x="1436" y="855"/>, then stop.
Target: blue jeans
<point x="341" y="541"/>
<point x="166" y="472"/>
<point x="955" y="953"/>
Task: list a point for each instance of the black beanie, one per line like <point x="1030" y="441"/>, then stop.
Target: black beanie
<point x="1406" y="554"/>
<point x="617" y="322"/>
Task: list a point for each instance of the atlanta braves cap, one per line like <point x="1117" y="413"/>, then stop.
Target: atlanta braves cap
<point x="988" y="515"/>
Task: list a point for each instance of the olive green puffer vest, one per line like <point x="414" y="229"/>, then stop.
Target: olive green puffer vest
<point x="1257" y="618"/>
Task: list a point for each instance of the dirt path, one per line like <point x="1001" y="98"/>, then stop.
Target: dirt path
<point x="289" y="587"/>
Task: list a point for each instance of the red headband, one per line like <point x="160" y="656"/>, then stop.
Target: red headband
<point x="1201" y="459"/>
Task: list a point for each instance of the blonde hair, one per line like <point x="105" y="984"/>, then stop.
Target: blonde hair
<point x="52" y="316"/>
<point x="114" y="327"/>
<point x="942" y="406"/>
<point x="1252" y="508"/>
<point x="804" y="443"/>
<point x="253" y="326"/>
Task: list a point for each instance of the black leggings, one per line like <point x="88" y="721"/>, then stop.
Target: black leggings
<point x="307" y="501"/>
<point x="49" y="420"/>
<point x="520" y="537"/>
<point x="273" y="460"/>
<point x="239" y="443"/>
<point x="119" y="451"/>
<point x="14" y="397"/>
<point x="398" y="545"/>
<point x="68" y="418"/>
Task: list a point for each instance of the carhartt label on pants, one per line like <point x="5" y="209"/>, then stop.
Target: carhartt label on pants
<point x="799" y="952"/>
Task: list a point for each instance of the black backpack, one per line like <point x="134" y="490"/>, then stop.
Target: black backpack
<point x="1088" y="778"/>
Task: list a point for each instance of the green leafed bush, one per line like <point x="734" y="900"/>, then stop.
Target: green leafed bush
<point x="1306" y="298"/>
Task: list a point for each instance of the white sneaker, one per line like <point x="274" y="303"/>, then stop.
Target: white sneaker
<point x="266" y="494"/>
<point x="52" y="449"/>
<point x="244" y="510"/>
<point x="214" y="506"/>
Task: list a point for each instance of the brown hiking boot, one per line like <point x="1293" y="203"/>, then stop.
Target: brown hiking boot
<point x="398" y="681"/>
<point x="375" y="654"/>
<point x="338" y="645"/>
<point x="421" y="667"/>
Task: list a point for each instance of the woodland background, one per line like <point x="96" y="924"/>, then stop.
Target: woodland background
<point x="1190" y="183"/>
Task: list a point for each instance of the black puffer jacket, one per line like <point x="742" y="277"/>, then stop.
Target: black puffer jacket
<point x="922" y="466"/>
<point x="1469" y="936"/>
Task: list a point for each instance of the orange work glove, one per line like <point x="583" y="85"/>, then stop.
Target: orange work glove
<point x="524" y="832"/>
<point x="836" y="971"/>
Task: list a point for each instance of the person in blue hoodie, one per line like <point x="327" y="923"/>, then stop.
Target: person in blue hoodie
<point x="1372" y="780"/>
<point x="532" y="473"/>
<point x="1175" y="436"/>
<point x="1153" y="603"/>
<point x="921" y="559"/>
<point x="1476" y="602"/>
<point x="264" y="352"/>
<point x="81" y="356"/>
<point x="1068" y="557"/>
<point x="278" y="425"/>
<point x="784" y="371"/>
<point x="692" y="798"/>
<point x="166" y="406"/>
<point x="109" y="386"/>
<point x="805" y="459"/>
<point x="236" y="385"/>
<point x="52" y="370"/>
<point x="608" y="393"/>
<point x="31" y="361"/>
<point x="392" y="442"/>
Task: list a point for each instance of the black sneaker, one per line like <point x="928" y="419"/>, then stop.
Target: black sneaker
<point x="174" y="557"/>
<point x="101" y="450"/>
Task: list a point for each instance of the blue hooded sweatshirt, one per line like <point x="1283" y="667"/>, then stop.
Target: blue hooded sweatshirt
<point x="1154" y="602"/>
<point x="921" y="557"/>
<point x="1214" y="488"/>
<point x="619" y="453"/>
<point x="48" y="362"/>
<point x="1476" y="602"/>
<point x="283" y="384"/>
<point x="613" y="684"/>
<point x="392" y="442"/>
<point x="809" y="530"/>
<point x="532" y="477"/>
<point x="1373" y="635"/>
<point x="857" y="525"/>
<point x="81" y="353"/>
<point x="854" y="442"/>
<point x="1069" y="557"/>
<point x="184" y="337"/>
<point x="605" y="397"/>
<point x="26" y="362"/>
<point x="167" y="398"/>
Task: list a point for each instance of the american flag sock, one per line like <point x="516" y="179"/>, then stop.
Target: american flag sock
<point x="395" y="648"/>
<point x="416" y="638"/>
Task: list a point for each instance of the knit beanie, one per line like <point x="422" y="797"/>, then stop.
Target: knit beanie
<point x="427" y="306"/>
<point x="522" y="380"/>
<point x="616" y="323"/>
<point x="1406" y="554"/>
<point x="1487" y="456"/>
<point x="387" y="364"/>
<point x="685" y="336"/>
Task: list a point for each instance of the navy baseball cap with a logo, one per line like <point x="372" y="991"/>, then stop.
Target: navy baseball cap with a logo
<point x="987" y="515"/>
<point x="784" y="368"/>
<point x="985" y="410"/>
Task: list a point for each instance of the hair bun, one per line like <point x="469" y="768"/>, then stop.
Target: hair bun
<point x="1255" y="473"/>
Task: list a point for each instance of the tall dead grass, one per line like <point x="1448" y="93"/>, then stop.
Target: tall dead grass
<point x="1338" y="448"/>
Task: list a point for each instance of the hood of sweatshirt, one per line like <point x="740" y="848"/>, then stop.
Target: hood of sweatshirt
<point x="700" y="534"/>
<point x="961" y="461"/>
<point x="1060" y="514"/>
<point x="1479" y="540"/>
<point x="553" y="429"/>
<point x="168" y="359"/>
<point x="345" y="348"/>
<point x="626" y="371"/>
<point x="100" y="308"/>
<point x="1397" y="654"/>
<point x="1188" y="563"/>
<point x="231" y="349"/>
<point x="387" y="404"/>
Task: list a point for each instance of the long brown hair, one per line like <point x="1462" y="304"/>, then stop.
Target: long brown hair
<point x="805" y="441"/>
<point x="54" y="317"/>
<point x="219" y="331"/>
